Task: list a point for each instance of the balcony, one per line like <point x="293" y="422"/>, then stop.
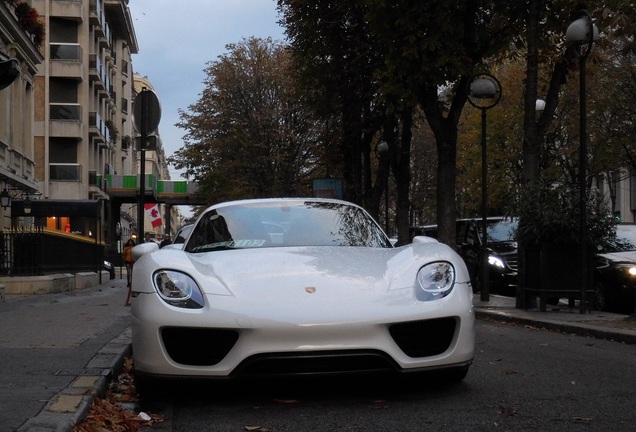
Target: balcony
<point x="97" y="72"/>
<point x="97" y="16"/>
<point x="68" y="9"/>
<point x="97" y="129"/>
<point x="65" y="120"/>
<point x="66" y="60"/>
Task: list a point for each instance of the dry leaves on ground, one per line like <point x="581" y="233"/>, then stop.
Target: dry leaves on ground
<point x="113" y="414"/>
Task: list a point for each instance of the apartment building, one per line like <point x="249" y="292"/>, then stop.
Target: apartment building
<point x="83" y="92"/>
<point x="20" y="40"/>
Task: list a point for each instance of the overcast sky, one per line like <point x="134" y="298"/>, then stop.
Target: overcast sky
<point x="177" y="39"/>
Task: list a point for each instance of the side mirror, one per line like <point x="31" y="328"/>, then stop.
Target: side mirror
<point x="143" y="249"/>
<point x="424" y="239"/>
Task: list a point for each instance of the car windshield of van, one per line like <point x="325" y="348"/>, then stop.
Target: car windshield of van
<point x="502" y="231"/>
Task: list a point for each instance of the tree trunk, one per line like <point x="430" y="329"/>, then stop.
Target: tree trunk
<point x="402" y="172"/>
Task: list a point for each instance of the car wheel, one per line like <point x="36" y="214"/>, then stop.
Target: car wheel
<point x="600" y="297"/>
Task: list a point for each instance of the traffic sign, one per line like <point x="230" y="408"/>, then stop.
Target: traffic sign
<point x="152" y="111"/>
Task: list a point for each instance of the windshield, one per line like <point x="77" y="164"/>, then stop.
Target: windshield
<point x="501" y="231"/>
<point x="285" y="223"/>
<point x="624" y="241"/>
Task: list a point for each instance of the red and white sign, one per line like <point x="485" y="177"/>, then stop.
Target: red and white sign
<point x="152" y="210"/>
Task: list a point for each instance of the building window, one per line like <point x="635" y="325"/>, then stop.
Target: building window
<point x="63" y="164"/>
<point x="63" y="99"/>
<point x="62" y="30"/>
<point x="64" y="172"/>
<point x="64" y="51"/>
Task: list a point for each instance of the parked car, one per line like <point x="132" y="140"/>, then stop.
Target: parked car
<point x="110" y="268"/>
<point x="615" y="276"/>
<point x="501" y="247"/>
<point x="298" y="286"/>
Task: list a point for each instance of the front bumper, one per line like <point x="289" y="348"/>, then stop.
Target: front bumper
<point x="270" y="340"/>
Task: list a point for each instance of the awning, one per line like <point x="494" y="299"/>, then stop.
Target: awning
<point x="58" y="208"/>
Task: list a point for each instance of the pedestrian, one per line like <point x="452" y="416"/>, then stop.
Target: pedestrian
<point x="147" y="238"/>
<point x="128" y="261"/>
<point x="166" y="241"/>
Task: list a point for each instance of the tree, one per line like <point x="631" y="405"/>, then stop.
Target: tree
<point x="335" y="60"/>
<point x="248" y="135"/>
<point x="431" y="45"/>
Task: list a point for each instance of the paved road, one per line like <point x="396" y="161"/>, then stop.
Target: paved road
<point x="46" y="340"/>
<point x="57" y="351"/>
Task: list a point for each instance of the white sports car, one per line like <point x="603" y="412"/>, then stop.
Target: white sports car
<point x="298" y="286"/>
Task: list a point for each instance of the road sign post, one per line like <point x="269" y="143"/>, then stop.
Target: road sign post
<point x="146" y="117"/>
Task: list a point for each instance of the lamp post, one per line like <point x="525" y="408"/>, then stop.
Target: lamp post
<point x="581" y="35"/>
<point x="484" y="93"/>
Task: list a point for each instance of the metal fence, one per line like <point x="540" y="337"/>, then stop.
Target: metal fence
<point x="22" y="252"/>
<point x="36" y="252"/>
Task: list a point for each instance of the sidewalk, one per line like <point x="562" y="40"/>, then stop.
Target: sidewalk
<point x="600" y="325"/>
<point x="60" y="351"/>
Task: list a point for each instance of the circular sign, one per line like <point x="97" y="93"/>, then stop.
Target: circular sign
<point x="146" y="103"/>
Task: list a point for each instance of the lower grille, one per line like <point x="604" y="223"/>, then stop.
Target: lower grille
<point x="511" y="259"/>
<point x="316" y="362"/>
<point x="198" y="346"/>
<point x="424" y="338"/>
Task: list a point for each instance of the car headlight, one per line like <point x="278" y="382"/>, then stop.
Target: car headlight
<point x="629" y="269"/>
<point x="435" y="281"/>
<point x="496" y="261"/>
<point x="178" y="289"/>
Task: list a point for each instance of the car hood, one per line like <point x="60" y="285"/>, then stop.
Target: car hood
<point x="503" y="247"/>
<point x="350" y="270"/>
<point x="627" y="256"/>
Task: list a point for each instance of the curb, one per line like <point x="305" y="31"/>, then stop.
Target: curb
<point x="580" y="329"/>
<point x="72" y="404"/>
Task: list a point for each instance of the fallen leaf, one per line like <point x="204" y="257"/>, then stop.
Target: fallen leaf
<point x="509" y="411"/>
<point x="286" y="401"/>
<point x="109" y="414"/>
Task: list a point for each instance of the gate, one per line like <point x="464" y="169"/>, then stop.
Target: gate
<point x="22" y="252"/>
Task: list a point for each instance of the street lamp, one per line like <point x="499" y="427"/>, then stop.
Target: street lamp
<point x="539" y="106"/>
<point x="484" y="93"/>
<point x="5" y="198"/>
<point x="581" y="34"/>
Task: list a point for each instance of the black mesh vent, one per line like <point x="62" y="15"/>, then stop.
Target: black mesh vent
<point x="424" y="338"/>
<point x="318" y="362"/>
<point x="198" y="346"/>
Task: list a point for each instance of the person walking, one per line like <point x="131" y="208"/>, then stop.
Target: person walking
<point x="128" y="261"/>
<point x="166" y="241"/>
